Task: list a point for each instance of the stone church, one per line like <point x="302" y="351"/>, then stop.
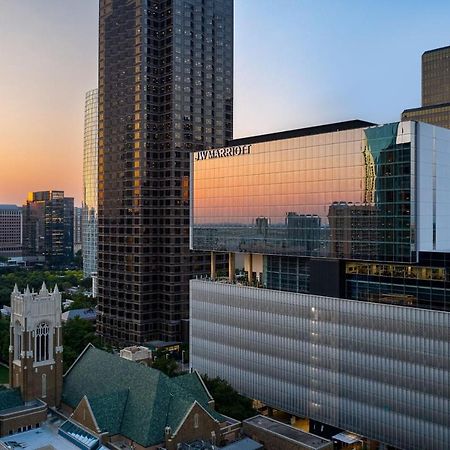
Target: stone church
<point x="103" y="399"/>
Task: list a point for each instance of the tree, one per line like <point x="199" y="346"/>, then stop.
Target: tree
<point x="77" y="333"/>
<point x="166" y="365"/>
<point x="227" y="400"/>
<point x="4" y="339"/>
<point x="81" y="301"/>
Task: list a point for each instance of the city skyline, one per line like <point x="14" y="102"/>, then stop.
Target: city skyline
<point x="319" y="73"/>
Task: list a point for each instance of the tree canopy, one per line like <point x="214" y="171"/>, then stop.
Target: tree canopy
<point x="227" y="400"/>
<point x="34" y="278"/>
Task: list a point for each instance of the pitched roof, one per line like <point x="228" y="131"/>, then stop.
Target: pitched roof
<point x="132" y="399"/>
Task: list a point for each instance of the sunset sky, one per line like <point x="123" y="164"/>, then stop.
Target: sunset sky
<point x="297" y="63"/>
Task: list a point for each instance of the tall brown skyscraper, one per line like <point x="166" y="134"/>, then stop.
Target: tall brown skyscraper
<point x="165" y="90"/>
<point x="435" y="89"/>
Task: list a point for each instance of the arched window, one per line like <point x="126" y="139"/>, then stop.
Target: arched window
<point x="41" y="343"/>
<point x="44" y="385"/>
<point x="196" y="420"/>
<point x="17" y="340"/>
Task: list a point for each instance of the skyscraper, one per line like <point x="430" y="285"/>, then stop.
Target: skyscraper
<point x="48" y="226"/>
<point x="90" y="184"/>
<point x="165" y="90"/>
<point x="435" y="89"/>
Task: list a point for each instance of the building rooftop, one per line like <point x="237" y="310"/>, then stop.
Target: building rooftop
<point x="307" y="439"/>
<point x="45" y="437"/>
<point x="9" y="207"/>
<point x="86" y="314"/>
<point x="436" y="50"/>
<point x="244" y="444"/>
<point x="425" y="108"/>
<point x="131" y="399"/>
<point x="300" y="132"/>
<point x="155" y="345"/>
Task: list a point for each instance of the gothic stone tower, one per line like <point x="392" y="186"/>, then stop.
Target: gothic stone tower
<point x="35" y="352"/>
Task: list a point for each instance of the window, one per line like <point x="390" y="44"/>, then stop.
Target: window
<point x="44" y="385"/>
<point x="17" y="340"/>
<point x="195" y="420"/>
<point x="41" y="343"/>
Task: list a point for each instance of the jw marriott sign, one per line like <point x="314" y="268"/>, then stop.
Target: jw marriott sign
<point x="235" y="150"/>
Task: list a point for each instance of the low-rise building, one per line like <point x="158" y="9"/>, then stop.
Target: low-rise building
<point x="102" y="398"/>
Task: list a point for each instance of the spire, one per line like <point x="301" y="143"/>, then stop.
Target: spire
<point x="16" y="289"/>
<point x="56" y="290"/>
<point x="44" y="290"/>
<point x="27" y="290"/>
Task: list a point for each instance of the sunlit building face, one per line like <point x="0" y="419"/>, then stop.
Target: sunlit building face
<point x="90" y="183"/>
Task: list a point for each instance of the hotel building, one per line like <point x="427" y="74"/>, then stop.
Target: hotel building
<point x="341" y="310"/>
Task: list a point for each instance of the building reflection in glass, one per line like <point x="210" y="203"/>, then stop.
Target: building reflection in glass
<point x="344" y="194"/>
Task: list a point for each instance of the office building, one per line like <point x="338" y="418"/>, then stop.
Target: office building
<point x="435" y="89"/>
<point x="165" y="90"/>
<point x="77" y="229"/>
<point x="352" y="326"/>
<point x="48" y="226"/>
<point x="90" y="184"/>
<point x="10" y="231"/>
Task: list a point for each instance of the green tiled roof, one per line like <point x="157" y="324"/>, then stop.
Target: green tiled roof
<point x="10" y="398"/>
<point x="132" y="399"/>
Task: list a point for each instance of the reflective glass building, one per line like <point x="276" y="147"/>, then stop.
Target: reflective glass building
<point x="435" y="89"/>
<point x="344" y="235"/>
<point x="48" y="226"/>
<point x="90" y="184"/>
<point x="165" y="90"/>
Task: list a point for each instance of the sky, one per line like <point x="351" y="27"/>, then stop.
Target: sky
<point x="297" y="63"/>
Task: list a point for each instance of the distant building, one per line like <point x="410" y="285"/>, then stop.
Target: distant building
<point x="10" y="230"/>
<point x="90" y="184"/>
<point x="77" y="229"/>
<point x="138" y="354"/>
<point x="84" y="313"/>
<point x="48" y="226"/>
<point x="435" y="89"/>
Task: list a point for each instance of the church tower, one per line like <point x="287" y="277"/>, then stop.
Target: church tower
<point x="35" y="351"/>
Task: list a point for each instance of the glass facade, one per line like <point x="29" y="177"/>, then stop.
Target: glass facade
<point x="165" y="90"/>
<point x="436" y="76"/>
<point x="426" y="286"/>
<point x="381" y="371"/>
<point x="90" y="184"/>
<point x="342" y="194"/>
<point x="48" y="226"/>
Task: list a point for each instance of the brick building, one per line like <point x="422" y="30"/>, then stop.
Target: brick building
<point x="103" y="398"/>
